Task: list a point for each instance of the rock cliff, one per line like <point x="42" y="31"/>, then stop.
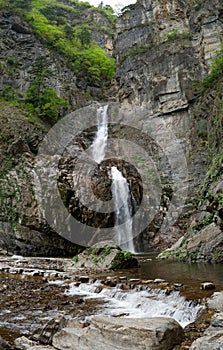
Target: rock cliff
<point x="167" y="99"/>
<point x="163" y="50"/>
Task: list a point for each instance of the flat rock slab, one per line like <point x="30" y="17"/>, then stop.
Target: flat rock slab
<point x="158" y="333"/>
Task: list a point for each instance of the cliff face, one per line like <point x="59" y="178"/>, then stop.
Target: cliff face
<point x="163" y="49"/>
<point x="31" y="34"/>
<point x="28" y="59"/>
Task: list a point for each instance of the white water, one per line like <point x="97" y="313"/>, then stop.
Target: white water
<point x="120" y="187"/>
<point x="98" y="148"/>
<point x="139" y="304"/>
<point x="122" y="207"/>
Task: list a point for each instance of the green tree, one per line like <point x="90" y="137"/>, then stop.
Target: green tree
<point x="39" y="71"/>
<point x="44" y="100"/>
<point x="51" y="105"/>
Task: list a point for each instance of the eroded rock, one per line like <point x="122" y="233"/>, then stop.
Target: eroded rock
<point x="213" y="336"/>
<point x="157" y="333"/>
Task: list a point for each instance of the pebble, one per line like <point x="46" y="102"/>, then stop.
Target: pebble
<point x="134" y="280"/>
<point x="178" y="285"/>
<point x="159" y="280"/>
<point x="207" y="285"/>
<point x="84" y="279"/>
<point x="17" y="257"/>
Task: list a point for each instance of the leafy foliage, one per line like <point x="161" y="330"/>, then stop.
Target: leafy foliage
<point x="215" y="74"/>
<point x="121" y="260"/>
<point x="68" y="29"/>
<point x="40" y="96"/>
<point x="10" y="94"/>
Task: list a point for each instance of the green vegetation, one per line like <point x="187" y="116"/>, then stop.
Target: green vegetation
<point x="215" y="171"/>
<point x="68" y="29"/>
<point x="205" y="222"/>
<point x="42" y="98"/>
<point x="3" y="4"/>
<point x="120" y="259"/>
<point x="75" y="258"/>
<point x="216" y="73"/>
<point x="175" y="34"/>
<point x="139" y="50"/>
<point x="9" y="94"/>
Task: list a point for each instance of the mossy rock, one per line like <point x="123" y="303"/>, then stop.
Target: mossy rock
<point x="105" y="255"/>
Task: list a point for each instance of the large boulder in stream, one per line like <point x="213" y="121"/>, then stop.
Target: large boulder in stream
<point x="158" y="333"/>
<point x="103" y="256"/>
<point x="212" y="337"/>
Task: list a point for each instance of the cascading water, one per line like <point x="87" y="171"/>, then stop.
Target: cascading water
<point x="120" y="188"/>
<point x="138" y="303"/>
<point x="122" y="203"/>
<point x="98" y="148"/>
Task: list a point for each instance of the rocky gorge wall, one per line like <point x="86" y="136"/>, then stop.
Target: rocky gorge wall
<point x="163" y="48"/>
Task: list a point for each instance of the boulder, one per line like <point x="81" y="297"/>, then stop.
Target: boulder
<point x="105" y="255"/>
<point x="23" y="343"/>
<point x="213" y="336"/>
<point x="45" y="334"/>
<point x="207" y="285"/>
<point x="158" y="333"/>
<point x="216" y="301"/>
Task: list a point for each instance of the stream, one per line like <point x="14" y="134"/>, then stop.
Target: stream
<point x="28" y="301"/>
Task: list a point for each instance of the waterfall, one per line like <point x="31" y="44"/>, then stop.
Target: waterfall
<point x="120" y="189"/>
<point x="98" y="148"/>
<point x="122" y="207"/>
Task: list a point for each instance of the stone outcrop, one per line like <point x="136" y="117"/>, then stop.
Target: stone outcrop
<point x="45" y="335"/>
<point x="119" y="333"/>
<point x="216" y="302"/>
<point x="161" y="48"/>
<point x="24" y="343"/>
<point x="203" y="240"/>
<point x="212" y="337"/>
<point x="104" y="256"/>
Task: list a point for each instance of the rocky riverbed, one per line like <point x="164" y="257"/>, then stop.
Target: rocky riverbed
<point x="40" y="291"/>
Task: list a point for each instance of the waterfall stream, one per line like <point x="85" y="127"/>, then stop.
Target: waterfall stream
<point x="122" y="202"/>
<point x="120" y="189"/>
<point x="98" y="148"/>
